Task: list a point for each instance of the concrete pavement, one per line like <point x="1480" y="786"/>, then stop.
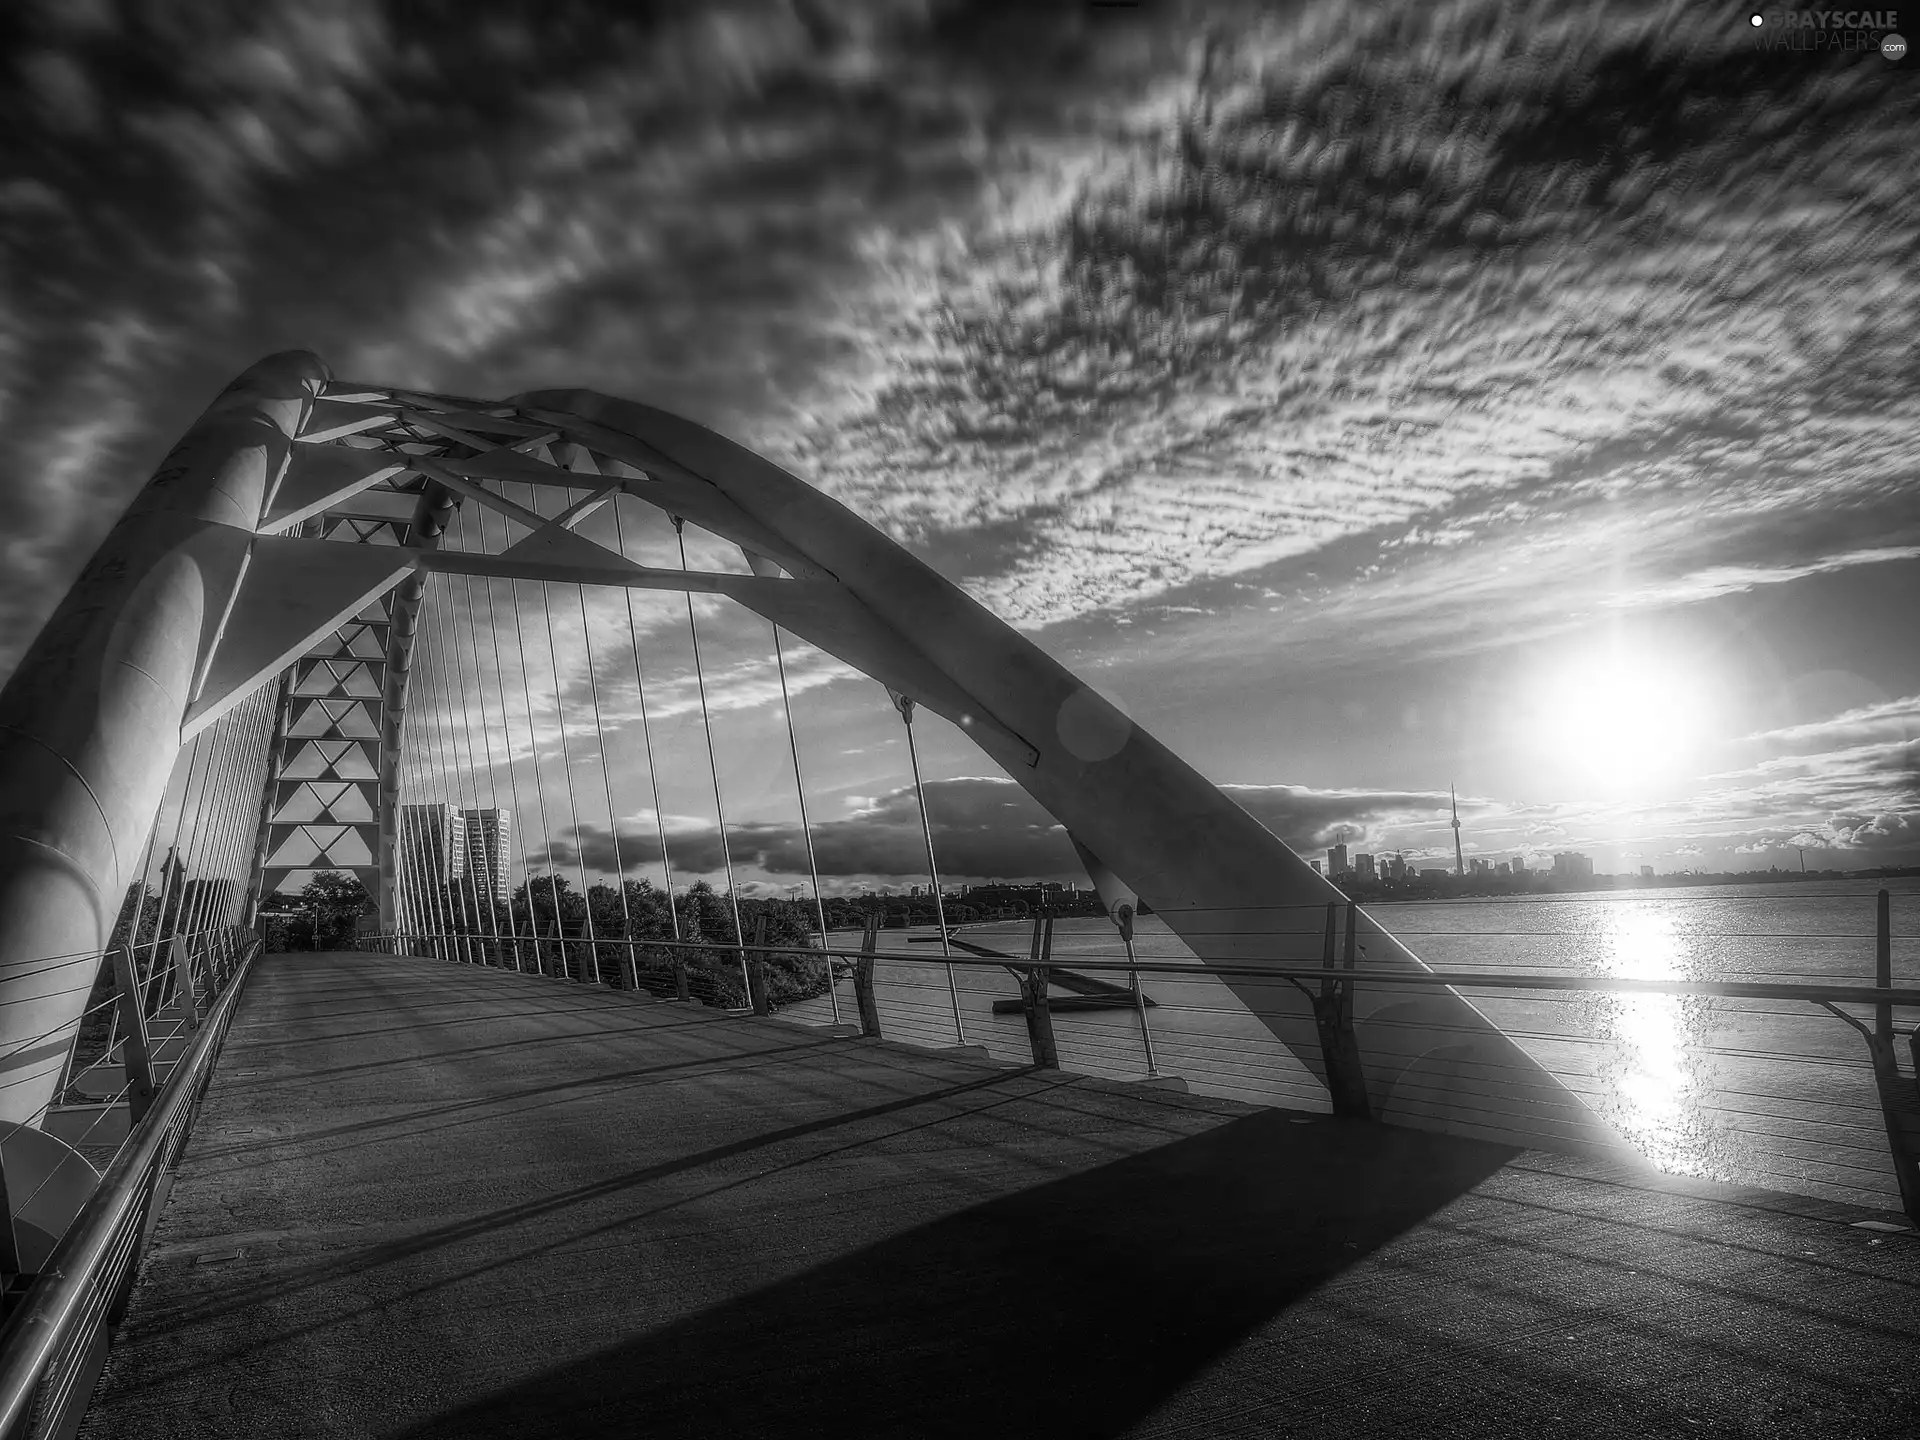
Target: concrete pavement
<point x="430" y="1201"/>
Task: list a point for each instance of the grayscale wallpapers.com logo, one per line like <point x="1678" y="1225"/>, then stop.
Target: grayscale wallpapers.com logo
<point x="1829" y="30"/>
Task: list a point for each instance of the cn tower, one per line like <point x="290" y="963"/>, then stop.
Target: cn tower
<point x="1459" y="865"/>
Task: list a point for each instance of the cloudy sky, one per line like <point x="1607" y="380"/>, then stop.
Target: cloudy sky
<point x="1366" y="397"/>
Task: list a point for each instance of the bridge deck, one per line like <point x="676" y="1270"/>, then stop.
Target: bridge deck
<point x="433" y="1201"/>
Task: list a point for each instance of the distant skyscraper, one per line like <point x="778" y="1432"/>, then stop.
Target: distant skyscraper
<point x="1646" y="872"/>
<point x="487" y="834"/>
<point x="1397" y="868"/>
<point x="1572" y="865"/>
<point x="1503" y="868"/>
<point x="1337" y="860"/>
<point x="432" y="845"/>
<point x="1479" y="865"/>
<point x="1363" y="866"/>
<point x="1519" y="864"/>
<point x="1316" y="866"/>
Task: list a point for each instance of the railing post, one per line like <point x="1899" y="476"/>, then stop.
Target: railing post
<point x="1033" y="991"/>
<point x="757" y="969"/>
<point x="184" y="991"/>
<point x="135" y="1055"/>
<point x="1123" y="917"/>
<point x="863" y="979"/>
<point x="1883" y="964"/>
<point x="1899" y="1096"/>
<point x="1333" y="1018"/>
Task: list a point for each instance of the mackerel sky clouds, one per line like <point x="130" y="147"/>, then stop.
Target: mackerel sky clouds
<point x="1365" y="397"/>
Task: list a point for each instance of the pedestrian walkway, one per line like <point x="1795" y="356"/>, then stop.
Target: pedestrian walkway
<point x="431" y="1200"/>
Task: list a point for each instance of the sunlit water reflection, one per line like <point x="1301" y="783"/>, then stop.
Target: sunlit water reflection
<point x="1770" y="1093"/>
<point x="1654" y="1075"/>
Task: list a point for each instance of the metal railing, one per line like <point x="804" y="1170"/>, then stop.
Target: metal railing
<point x="53" y="1344"/>
<point x="1839" y="1134"/>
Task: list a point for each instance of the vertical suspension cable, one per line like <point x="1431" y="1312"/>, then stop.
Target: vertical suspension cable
<point x="490" y="901"/>
<point x="497" y="858"/>
<point x="426" y="914"/>
<point x="415" y="760"/>
<point x="566" y="758"/>
<point x="452" y="766"/>
<point x="245" y="898"/>
<point x="646" y="732"/>
<point x="806" y="828"/>
<point x="406" y="917"/>
<point x="444" y="748"/>
<point x="513" y="774"/>
<point x="713" y="762"/>
<point x="194" y="905"/>
<point x="905" y="706"/>
<point x="253" y="781"/>
<point x="137" y="922"/>
<point x="172" y="866"/>
<point x="190" y="897"/>
<point x="433" y="861"/>
<point x="606" y="776"/>
<point x="246" y="783"/>
<point x="246" y="786"/>
<point x="539" y="793"/>
<point x="207" y="833"/>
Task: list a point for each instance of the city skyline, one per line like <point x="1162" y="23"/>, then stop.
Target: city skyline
<point x="1575" y="473"/>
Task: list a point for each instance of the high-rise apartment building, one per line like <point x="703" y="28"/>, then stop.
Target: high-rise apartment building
<point x="1363" y="866"/>
<point x="487" y="835"/>
<point x="1337" y="860"/>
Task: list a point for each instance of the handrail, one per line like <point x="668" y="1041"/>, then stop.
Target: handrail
<point x="72" y="1281"/>
<point x="1331" y="1002"/>
<point x="1484" y="980"/>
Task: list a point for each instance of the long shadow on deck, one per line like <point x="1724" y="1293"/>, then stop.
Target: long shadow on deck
<point x="1071" y="1309"/>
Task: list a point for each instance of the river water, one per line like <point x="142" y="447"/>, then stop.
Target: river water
<point x="1769" y="1093"/>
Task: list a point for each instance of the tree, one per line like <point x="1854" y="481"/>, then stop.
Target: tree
<point x="334" y="902"/>
<point x="534" y="901"/>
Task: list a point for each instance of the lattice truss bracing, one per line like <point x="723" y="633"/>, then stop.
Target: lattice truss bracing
<point x="367" y="472"/>
<point x="383" y="471"/>
<point x="326" y="797"/>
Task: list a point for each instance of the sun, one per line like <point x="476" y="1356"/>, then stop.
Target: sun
<point x="1620" y="718"/>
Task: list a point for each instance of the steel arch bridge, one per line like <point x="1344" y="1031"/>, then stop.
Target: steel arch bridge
<point x="248" y="631"/>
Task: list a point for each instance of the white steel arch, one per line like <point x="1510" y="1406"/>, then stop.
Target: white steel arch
<point x="235" y="551"/>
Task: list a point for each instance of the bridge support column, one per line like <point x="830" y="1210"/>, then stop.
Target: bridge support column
<point x="90" y="721"/>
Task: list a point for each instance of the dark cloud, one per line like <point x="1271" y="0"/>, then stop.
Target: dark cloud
<point x="670" y="199"/>
<point x="1422" y="312"/>
<point x="982" y="829"/>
